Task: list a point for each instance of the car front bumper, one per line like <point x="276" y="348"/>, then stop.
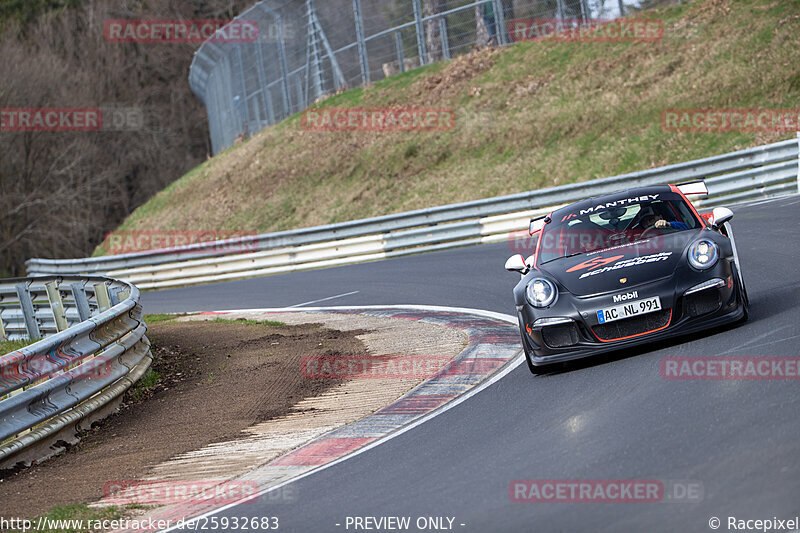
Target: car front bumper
<point x="579" y="334"/>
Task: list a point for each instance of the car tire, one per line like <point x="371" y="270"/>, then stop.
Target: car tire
<point x="745" y="304"/>
<point x="744" y="297"/>
<point x="535" y="370"/>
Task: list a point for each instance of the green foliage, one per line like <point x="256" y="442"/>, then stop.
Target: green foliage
<point x="142" y="388"/>
<point x="80" y="513"/>
<point x="159" y="318"/>
<point x="10" y="346"/>
<point x="250" y="322"/>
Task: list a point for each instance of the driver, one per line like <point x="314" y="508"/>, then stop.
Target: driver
<point x="653" y="220"/>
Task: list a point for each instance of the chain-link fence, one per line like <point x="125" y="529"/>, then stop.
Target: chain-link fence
<point x="305" y="49"/>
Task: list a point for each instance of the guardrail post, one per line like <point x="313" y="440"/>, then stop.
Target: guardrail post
<point x="423" y="53"/>
<point x="123" y="294"/>
<point x="56" y="305"/>
<point x="28" y="314"/>
<point x="445" y="38"/>
<point x="401" y="60"/>
<point x="81" y="301"/>
<point x="113" y="295"/>
<point x="3" y="335"/>
<point x="798" y="161"/>
<point x="101" y="295"/>
<point x="362" y="45"/>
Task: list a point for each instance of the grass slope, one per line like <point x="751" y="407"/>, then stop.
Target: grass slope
<point x="529" y="116"/>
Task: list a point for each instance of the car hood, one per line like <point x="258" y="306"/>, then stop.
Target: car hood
<point x="622" y="266"/>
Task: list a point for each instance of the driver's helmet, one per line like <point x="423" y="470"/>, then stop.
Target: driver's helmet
<point x="646" y="217"/>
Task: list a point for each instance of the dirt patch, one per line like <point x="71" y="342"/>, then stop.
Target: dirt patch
<point x="712" y="9"/>
<point x="216" y="380"/>
<point x="447" y="83"/>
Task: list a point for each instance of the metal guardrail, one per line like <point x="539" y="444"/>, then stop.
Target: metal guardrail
<point x="753" y="173"/>
<point x="94" y="348"/>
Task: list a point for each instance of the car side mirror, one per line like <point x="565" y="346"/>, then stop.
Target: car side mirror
<point x="721" y="215"/>
<point x="516" y="263"/>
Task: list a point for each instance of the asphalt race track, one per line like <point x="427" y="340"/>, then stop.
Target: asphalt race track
<point x="612" y="418"/>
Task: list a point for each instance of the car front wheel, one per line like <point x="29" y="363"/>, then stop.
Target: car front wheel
<point x="535" y="370"/>
<point x="744" y="297"/>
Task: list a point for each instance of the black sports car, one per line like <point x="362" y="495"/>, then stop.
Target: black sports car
<point x="624" y="269"/>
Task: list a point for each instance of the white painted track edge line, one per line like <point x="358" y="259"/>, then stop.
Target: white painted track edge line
<point x="494" y="378"/>
<point x="412" y="307"/>
<point x="324" y="299"/>
<point x="510" y="366"/>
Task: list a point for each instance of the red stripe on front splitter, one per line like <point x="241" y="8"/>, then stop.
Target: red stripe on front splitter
<point x="638" y="334"/>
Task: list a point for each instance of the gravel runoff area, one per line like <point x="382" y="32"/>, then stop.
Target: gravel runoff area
<point x="230" y="397"/>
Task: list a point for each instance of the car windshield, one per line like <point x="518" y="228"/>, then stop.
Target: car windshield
<point x="607" y="224"/>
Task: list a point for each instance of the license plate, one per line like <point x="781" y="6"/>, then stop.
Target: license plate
<point x="629" y="309"/>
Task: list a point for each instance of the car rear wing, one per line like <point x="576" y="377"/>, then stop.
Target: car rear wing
<point x="537" y="224"/>
<point x="693" y="187"/>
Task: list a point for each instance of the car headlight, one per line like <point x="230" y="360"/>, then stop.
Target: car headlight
<point x="703" y="254"/>
<point x="541" y="292"/>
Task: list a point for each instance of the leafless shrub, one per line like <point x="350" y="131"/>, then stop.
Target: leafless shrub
<point x="60" y="192"/>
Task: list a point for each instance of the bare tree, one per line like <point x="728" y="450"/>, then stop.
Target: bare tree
<point x="61" y="191"/>
<point x="433" y="35"/>
<point x="481" y="30"/>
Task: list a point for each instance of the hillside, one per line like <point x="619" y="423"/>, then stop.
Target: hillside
<point x="533" y="115"/>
